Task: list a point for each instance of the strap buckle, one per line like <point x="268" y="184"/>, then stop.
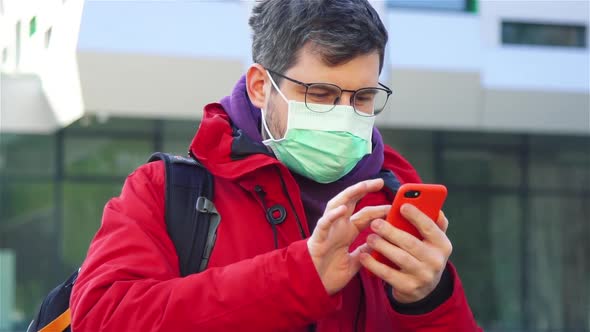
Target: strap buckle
<point x="204" y="205"/>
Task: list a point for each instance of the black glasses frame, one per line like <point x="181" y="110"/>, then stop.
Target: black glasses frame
<point x="352" y="100"/>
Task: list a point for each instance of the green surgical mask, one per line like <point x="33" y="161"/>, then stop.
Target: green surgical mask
<point x="322" y="146"/>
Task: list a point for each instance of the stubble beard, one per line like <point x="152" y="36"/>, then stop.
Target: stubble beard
<point x="272" y="122"/>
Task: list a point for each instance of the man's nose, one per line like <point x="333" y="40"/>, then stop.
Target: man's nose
<point x="345" y="99"/>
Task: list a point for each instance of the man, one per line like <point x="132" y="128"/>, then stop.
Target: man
<point x="296" y="133"/>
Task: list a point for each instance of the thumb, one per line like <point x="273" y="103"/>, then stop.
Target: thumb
<point x="356" y="255"/>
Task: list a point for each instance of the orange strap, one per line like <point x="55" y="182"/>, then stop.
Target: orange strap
<point x="59" y="324"/>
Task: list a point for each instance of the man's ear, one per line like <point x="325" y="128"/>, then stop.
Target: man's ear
<point x="257" y="85"/>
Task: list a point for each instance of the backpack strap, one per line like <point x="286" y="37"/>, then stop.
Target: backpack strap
<point x="54" y="313"/>
<point x="191" y="217"/>
<point x="61" y="323"/>
<point x="391" y="182"/>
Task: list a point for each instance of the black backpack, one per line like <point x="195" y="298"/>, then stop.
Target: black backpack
<point x="191" y="221"/>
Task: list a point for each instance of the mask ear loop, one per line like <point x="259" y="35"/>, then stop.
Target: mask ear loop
<point x="263" y="113"/>
<point x="272" y="81"/>
<point x="265" y="127"/>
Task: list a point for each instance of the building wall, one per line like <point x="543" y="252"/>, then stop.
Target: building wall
<point x="38" y="41"/>
<point x="453" y="61"/>
<point x="142" y="47"/>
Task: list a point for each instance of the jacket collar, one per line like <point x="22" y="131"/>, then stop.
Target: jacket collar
<point x="226" y="150"/>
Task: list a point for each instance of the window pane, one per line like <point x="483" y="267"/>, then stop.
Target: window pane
<point x="485" y="233"/>
<point x="559" y="268"/>
<point x="458" y="5"/>
<point x="27" y="229"/>
<point x="484" y="139"/>
<point x="102" y="123"/>
<point x="27" y="155"/>
<point x="104" y="155"/>
<point x="32" y="26"/>
<point x="505" y="233"/>
<point x="480" y="167"/>
<point x="23" y="201"/>
<point x="177" y="147"/>
<point x="416" y="146"/>
<point x="558" y="162"/>
<point x="83" y="208"/>
<point x="181" y="128"/>
<point x="543" y="34"/>
<point x="178" y="136"/>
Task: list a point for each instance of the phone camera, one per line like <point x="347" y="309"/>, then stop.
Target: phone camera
<point x="412" y="194"/>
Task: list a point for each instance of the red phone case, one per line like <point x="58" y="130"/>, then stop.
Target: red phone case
<point x="430" y="202"/>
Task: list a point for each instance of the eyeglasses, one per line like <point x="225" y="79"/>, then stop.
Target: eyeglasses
<point x="366" y="101"/>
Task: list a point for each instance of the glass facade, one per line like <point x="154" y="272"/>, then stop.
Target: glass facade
<point x="518" y="205"/>
<point x="519" y="211"/>
<point x="52" y="192"/>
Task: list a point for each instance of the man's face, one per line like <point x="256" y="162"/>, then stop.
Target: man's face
<point x="360" y="72"/>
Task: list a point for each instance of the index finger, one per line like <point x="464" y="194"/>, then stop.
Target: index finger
<point x="426" y="226"/>
<point x="355" y="192"/>
<point x="442" y="221"/>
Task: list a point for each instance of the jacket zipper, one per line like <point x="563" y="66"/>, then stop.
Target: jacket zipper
<point x="286" y="192"/>
<point x="311" y="327"/>
<point x="262" y="196"/>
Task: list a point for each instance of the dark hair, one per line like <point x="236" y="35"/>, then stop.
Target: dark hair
<point x="338" y="30"/>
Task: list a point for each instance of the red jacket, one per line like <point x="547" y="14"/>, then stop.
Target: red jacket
<point x="130" y="278"/>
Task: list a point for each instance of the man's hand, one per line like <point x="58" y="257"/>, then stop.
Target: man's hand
<point x="421" y="262"/>
<point x="336" y="230"/>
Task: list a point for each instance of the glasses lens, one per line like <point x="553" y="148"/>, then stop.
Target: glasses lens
<point x="370" y="101"/>
<point x="322" y="97"/>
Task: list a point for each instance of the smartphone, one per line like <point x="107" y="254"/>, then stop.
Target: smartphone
<point x="428" y="198"/>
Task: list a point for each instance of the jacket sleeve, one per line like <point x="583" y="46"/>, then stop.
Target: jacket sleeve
<point x="452" y="315"/>
<point x="130" y="278"/>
